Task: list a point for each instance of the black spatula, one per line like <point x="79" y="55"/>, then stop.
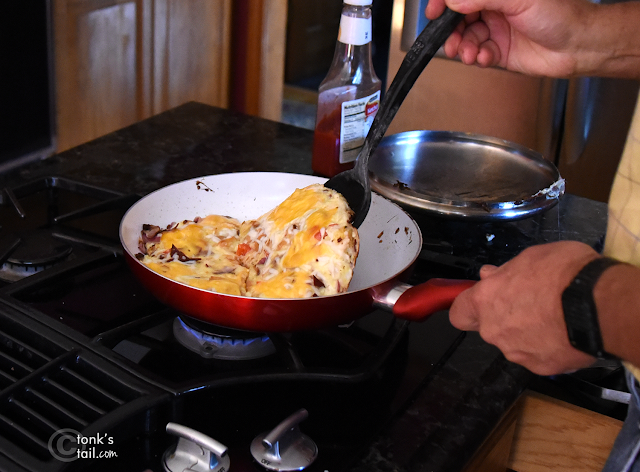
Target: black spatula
<point x="354" y="184"/>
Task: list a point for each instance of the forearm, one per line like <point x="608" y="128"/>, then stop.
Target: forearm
<point x="617" y="297"/>
<point x="609" y="45"/>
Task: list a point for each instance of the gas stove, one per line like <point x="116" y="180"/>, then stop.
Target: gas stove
<point x="96" y="374"/>
<point x="93" y="368"/>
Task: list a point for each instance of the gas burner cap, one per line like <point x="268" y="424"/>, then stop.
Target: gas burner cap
<point x="39" y="249"/>
<point x="216" y="330"/>
<point x="230" y="345"/>
<point x="31" y="253"/>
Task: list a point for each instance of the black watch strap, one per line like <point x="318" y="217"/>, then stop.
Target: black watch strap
<point x="580" y="313"/>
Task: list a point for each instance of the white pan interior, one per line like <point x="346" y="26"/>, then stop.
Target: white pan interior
<point x="390" y="239"/>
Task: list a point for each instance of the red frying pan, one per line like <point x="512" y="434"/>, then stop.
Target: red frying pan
<point x="390" y="242"/>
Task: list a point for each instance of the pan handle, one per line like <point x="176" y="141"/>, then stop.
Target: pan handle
<point x="421" y="301"/>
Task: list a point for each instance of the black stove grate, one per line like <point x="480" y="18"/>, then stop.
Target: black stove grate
<point x="19" y="356"/>
<point x="50" y="220"/>
<point x="51" y="384"/>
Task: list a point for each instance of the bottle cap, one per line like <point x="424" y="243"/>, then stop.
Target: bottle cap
<point x="359" y="3"/>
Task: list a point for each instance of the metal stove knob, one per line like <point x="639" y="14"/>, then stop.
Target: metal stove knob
<point x="194" y="452"/>
<point x="285" y="447"/>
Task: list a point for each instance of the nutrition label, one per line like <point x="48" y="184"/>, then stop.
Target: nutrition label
<point x="357" y="117"/>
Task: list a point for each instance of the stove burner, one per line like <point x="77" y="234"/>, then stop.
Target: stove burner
<point x="39" y="248"/>
<point x="227" y="344"/>
<point x="31" y="253"/>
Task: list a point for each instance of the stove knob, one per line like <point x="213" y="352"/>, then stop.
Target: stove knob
<point x="285" y="448"/>
<point x="194" y="452"/>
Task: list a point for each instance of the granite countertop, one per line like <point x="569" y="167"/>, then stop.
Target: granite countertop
<point x="461" y="403"/>
<point x="186" y="142"/>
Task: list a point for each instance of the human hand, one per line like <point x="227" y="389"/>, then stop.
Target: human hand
<point x="517" y="307"/>
<point x="537" y="37"/>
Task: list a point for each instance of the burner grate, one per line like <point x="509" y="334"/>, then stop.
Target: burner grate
<point x="50" y="220"/>
<point x="19" y="356"/>
<point x="51" y="384"/>
<point x="69" y="394"/>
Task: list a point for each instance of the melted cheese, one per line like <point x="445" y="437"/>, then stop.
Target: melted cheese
<point x="304" y="247"/>
<point x="309" y="239"/>
<point x="211" y="245"/>
<point x="298" y="205"/>
<point x="203" y="276"/>
<point x="287" y="284"/>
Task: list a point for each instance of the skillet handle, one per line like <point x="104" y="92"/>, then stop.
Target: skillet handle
<point x="421" y="301"/>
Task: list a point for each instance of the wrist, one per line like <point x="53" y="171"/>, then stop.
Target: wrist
<point x="608" y="45"/>
<point x="617" y="300"/>
<point x="581" y="310"/>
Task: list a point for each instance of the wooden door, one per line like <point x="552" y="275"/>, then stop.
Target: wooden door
<point x="98" y="64"/>
<point x="259" y="44"/>
<point x="191" y="52"/>
<point x="120" y="61"/>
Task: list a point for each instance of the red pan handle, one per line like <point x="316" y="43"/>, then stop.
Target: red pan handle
<point x="423" y="300"/>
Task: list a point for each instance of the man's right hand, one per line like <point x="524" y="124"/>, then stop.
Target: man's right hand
<point x="555" y="38"/>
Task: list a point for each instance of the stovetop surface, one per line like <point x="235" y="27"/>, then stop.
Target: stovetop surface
<point x="352" y="379"/>
<point x="84" y="346"/>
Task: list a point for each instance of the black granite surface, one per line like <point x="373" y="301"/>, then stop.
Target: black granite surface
<point x="463" y="400"/>
<point x="189" y="141"/>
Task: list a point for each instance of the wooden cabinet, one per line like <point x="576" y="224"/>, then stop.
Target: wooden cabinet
<point x="120" y="61"/>
<point x="544" y="434"/>
<point x="554" y="435"/>
<point x="192" y="47"/>
<point x="259" y="37"/>
<point x="494" y="454"/>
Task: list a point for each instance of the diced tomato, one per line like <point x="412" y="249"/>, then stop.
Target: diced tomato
<point x="243" y="248"/>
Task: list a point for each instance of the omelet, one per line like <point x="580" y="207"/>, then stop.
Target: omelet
<point x="305" y="247"/>
<point x="199" y="252"/>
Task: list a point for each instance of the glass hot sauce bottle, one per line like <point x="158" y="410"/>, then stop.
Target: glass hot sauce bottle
<point x="349" y="96"/>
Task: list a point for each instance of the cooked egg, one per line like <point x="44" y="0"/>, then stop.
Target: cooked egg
<point x="304" y="247"/>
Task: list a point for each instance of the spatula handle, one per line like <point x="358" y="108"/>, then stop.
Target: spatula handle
<point x="422" y="51"/>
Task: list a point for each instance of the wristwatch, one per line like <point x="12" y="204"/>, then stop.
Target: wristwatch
<point x="580" y="313"/>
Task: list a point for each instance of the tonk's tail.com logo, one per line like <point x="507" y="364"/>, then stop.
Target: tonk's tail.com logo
<point x="64" y="445"/>
<point x="67" y="445"/>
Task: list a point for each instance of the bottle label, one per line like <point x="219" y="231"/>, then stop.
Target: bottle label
<point x="357" y="118"/>
<point x="356" y="31"/>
